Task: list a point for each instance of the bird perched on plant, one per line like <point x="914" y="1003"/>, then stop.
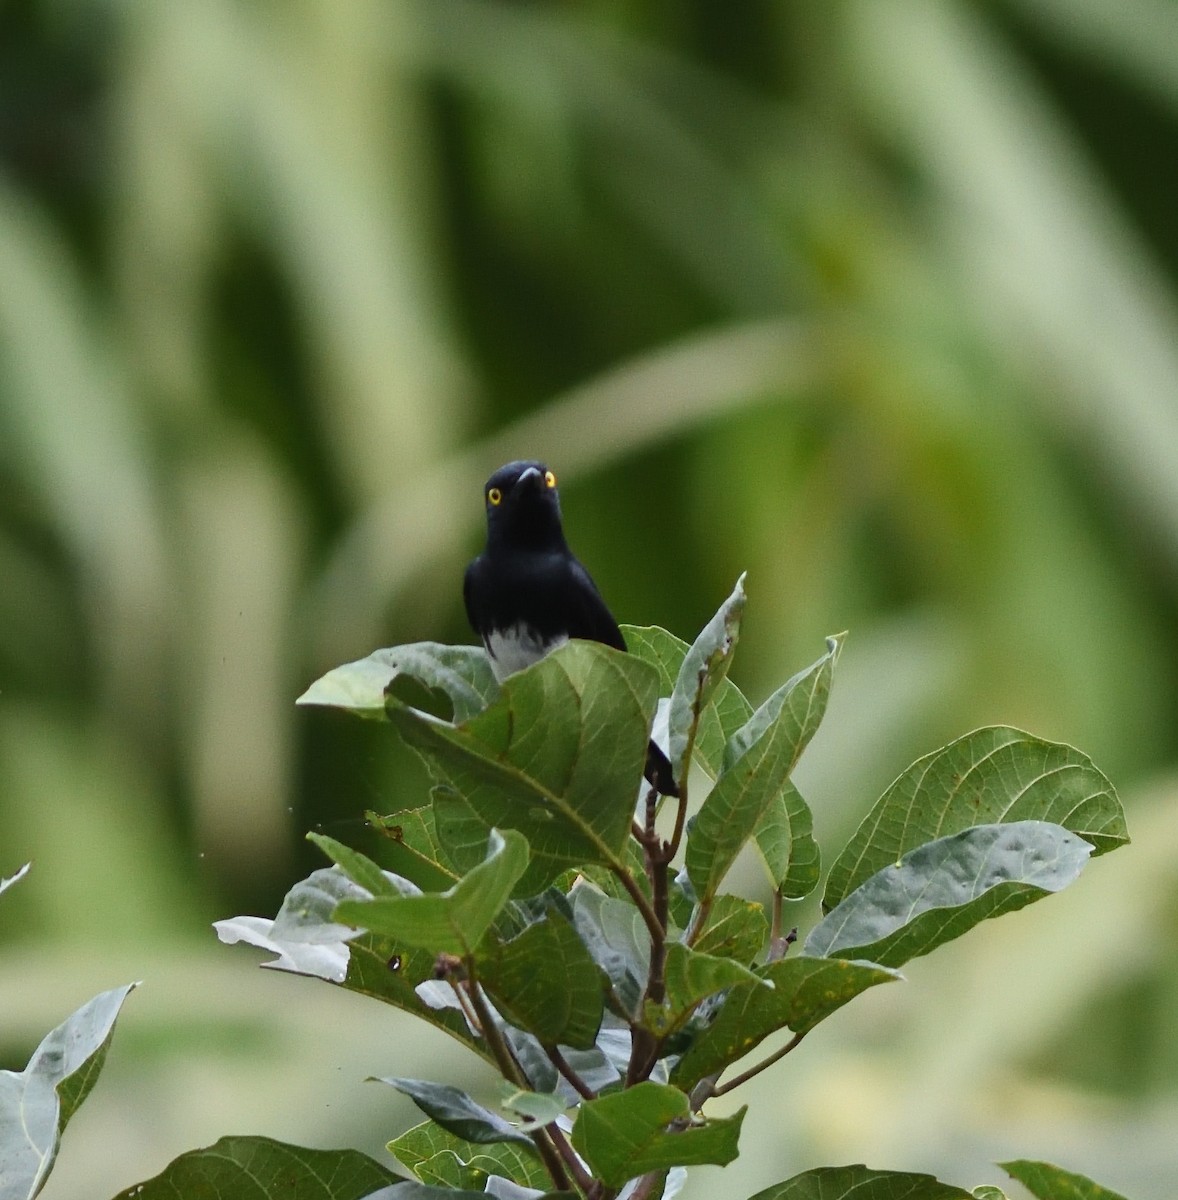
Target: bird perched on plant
<point x="526" y="593"/>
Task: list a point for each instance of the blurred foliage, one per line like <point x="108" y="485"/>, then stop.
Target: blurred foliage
<point x="876" y="300"/>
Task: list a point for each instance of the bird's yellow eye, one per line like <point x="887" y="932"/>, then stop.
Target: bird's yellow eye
<point x="494" y="495"/>
<point x="550" y="479"/>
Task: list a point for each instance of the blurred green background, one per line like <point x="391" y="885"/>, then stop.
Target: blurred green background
<point x="877" y="299"/>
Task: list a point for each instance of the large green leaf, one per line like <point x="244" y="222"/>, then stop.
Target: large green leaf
<point x="559" y="755"/>
<point x="704" y="667"/>
<point x="691" y="977"/>
<point x="736" y="928"/>
<point x="37" y="1103"/>
<point x="989" y="776"/>
<point x="462" y="837"/>
<point x="805" y="991"/>
<point x="1048" y="1182"/>
<point x="617" y="939"/>
<point x="944" y="888"/>
<point x="626" y="1134"/>
<point x="785" y="838"/>
<point x="307" y="913"/>
<point x="425" y="1148"/>
<point x="457" y="1113"/>
<point x="263" y="1169"/>
<point x="861" y="1183"/>
<point x="546" y="982"/>
<point x="463" y="673"/>
<point x="722" y="716"/>
<point x="412" y="847"/>
<point x="359" y="868"/>
<point x="408" y="1190"/>
<point x="758" y="759"/>
<point x="454" y="921"/>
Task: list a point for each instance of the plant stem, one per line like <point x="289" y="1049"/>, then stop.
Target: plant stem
<point x="745" y="1076"/>
<point x="574" y="1080"/>
<point x="510" y="1070"/>
<point x="639" y="897"/>
<point x="646" y="1187"/>
<point x="585" y="1181"/>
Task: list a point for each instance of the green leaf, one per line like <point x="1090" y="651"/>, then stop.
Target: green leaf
<point x="408" y="1190"/>
<point x="785" y="838"/>
<point x="703" y="669"/>
<point x="1048" y="1182"/>
<point x="463" y="673"/>
<point x="380" y="968"/>
<point x="546" y="982"/>
<point x="625" y="1134"/>
<point x="5" y="884"/>
<point x="453" y="921"/>
<point x="617" y="939"/>
<point x="691" y="977"/>
<point x="360" y="869"/>
<point x="861" y="1183"/>
<point x="37" y="1103"/>
<point x="537" y="1108"/>
<point x="988" y="1192"/>
<point x="944" y="888"/>
<point x="727" y="710"/>
<point x="264" y="1169"/>
<point x="758" y="759"/>
<point x="428" y="1142"/>
<point x="412" y="847"/>
<point x="559" y="755"/>
<point x="307" y="913"/>
<point x="990" y="776"/>
<point x="457" y="1113"/>
<point x="736" y="928"/>
<point x="805" y="991"/>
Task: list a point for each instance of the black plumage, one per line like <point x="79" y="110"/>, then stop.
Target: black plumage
<point x="527" y="593"/>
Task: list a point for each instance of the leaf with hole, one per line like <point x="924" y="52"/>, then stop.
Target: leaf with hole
<point x="462" y="673"/>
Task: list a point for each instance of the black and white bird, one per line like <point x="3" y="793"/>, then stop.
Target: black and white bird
<point x="526" y="593"/>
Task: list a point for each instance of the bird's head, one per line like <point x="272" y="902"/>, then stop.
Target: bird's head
<point x="523" y="506"/>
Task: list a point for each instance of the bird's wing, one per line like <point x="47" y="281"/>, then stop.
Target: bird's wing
<point x="469" y="583"/>
<point x="589" y="617"/>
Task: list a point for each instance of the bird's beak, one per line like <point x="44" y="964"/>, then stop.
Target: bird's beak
<point x="529" y="478"/>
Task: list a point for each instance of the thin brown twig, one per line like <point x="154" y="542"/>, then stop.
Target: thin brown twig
<point x="569" y="1157"/>
<point x="639" y="897"/>
<point x="645" y="1189"/>
<point x="510" y="1069"/>
<point x="574" y="1080"/>
<point x="745" y="1076"/>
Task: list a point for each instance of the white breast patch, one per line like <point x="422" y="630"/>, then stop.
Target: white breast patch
<point x="516" y="647"/>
